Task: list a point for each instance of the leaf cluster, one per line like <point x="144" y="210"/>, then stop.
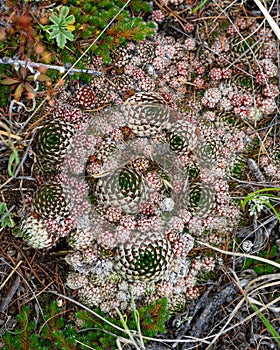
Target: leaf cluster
<point x="22" y="82"/>
<point x="262" y="197"/>
<point x="61" y="27"/>
<point x="152" y="318"/>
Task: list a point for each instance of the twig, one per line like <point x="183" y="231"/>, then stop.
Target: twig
<point x="269" y="19"/>
<point x="266" y="261"/>
<point x="255" y="170"/>
<point x="190" y="339"/>
<point x="252" y="183"/>
<point x="8" y="298"/>
<point x="61" y="69"/>
<point x="11" y="274"/>
<point x="5" y="133"/>
<point x="20" y="164"/>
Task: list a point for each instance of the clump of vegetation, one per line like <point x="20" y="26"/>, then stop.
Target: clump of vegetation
<point x="52" y="332"/>
<point x="32" y="32"/>
<point x="61" y="27"/>
<point x="93" y="16"/>
<point x="261" y="268"/>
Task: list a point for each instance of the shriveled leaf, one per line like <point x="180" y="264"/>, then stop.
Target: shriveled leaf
<point x="42" y="77"/>
<point x="18" y="92"/>
<point x="9" y="81"/>
<point x="28" y="87"/>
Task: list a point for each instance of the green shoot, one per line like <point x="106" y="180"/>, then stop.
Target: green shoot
<point x="198" y="7"/>
<point x="259" y="200"/>
<point x="13" y="160"/>
<point x="268" y="325"/>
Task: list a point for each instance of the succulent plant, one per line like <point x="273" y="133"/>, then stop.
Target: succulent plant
<point x="162" y="157"/>
<point x="200" y="199"/>
<point x="146" y="258"/>
<point x="51" y="200"/>
<point x="275" y="155"/>
<point x="147" y="113"/>
<point x="53" y="142"/>
<point x="86" y="97"/>
<point x="123" y="189"/>
<point x="145" y="51"/>
<point x="182" y="136"/>
<point x="36" y="234"/>
<point x="208" y="150"/>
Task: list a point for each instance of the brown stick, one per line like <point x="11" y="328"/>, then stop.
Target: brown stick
<point x="8" y="298"/>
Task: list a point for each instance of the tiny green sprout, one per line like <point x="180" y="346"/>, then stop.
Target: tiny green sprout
<point x="199" y="6"/>
<point x="13" y="160"/>
<point x="268" y="325"/>
<point x="62" y="27"/>
<point x="7" y="220"/>
<point x="258" y="200"/>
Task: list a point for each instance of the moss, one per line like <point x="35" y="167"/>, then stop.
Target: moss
<point x="96" y="15"/>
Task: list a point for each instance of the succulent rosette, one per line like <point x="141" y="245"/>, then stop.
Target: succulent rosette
<point x="131" y="194"/>
<point x="146" y="257"/>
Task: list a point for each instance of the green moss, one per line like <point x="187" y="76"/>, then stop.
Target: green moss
<point x="92" y="332"/>
<point x="95" y="16"/>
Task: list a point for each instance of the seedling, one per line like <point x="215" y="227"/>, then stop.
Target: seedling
<point x="257" y="200"/>
<point x="62" y="27"/>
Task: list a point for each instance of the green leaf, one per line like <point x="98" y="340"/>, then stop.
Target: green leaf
<point x="13" y="159"/>
<point x="198" y="7"/>
<point x="68" y="35"/>
<point x="70" y="19"/>
<point x="61" y="40"/>
<point x="55" y="19"/>
<point x="7" y="221"/>
<point x="268" y="325"/>
<point x="54" y="33"/>
<point x="3" y="208"/>
<point x="64" y="11"/>
<point x="250" y="196"/>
